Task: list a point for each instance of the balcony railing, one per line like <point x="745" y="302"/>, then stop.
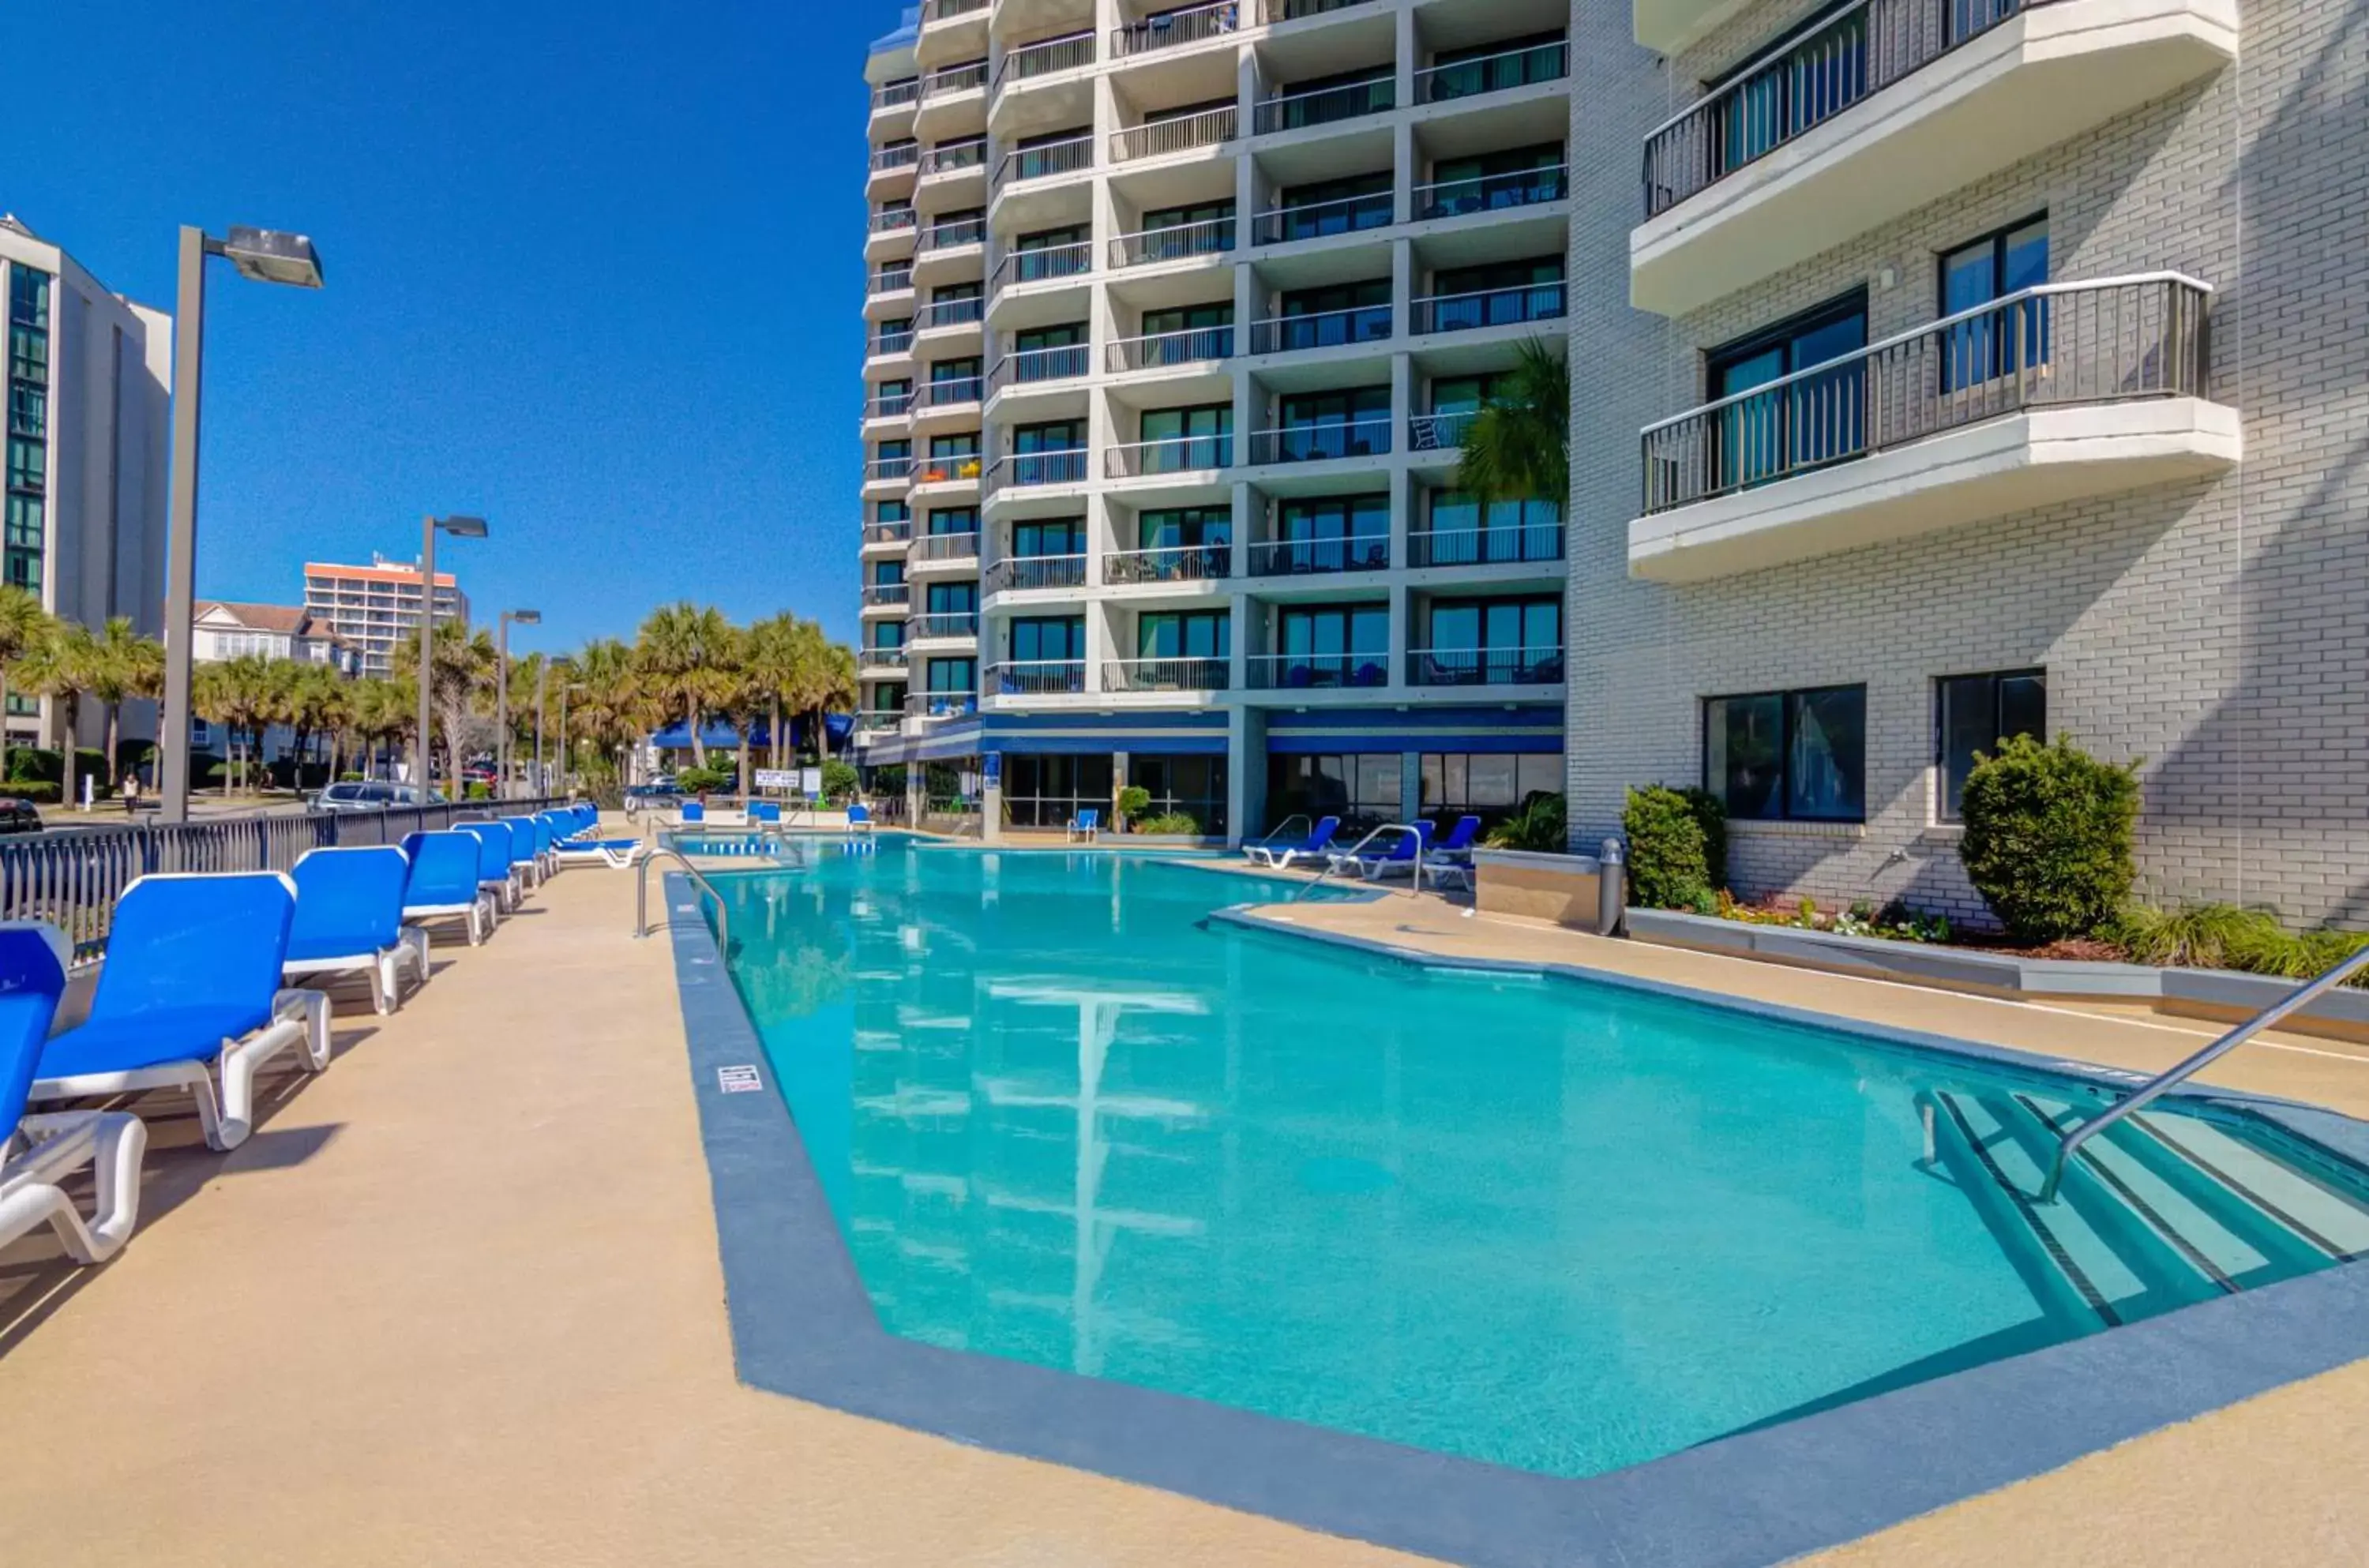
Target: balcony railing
<point x="1176" y="28"/>
<point x="962" y="312"/>
<point x="895" y="342"/>
<point x="889" y="405"/>
<point x="1437" y="432"/>
<point x="880" y="593"/>
<point x="1030" y="470"/>
<point x="1177" y="454"/>
<point x="954" y="79"/>
<point x="1315" y="219"/>
<point x="1489" y="307"/>
<point x="947" y="157"/>
<point x="1324" y="105"/>
<point x="2109" y="340"/>
<point x="1314" y="443"/>
<point x="1045" y="57"/>
<point x="1486" y="547"/>
<point x="1799" y="85"/>
<point x="888" y="468"/>
<point x="1293" y="10"/>
<point x="903" y="157"/>
<point x="895" y="94"/>
<point x="943" y="626"/>
<point x="1046" y="160"/>
<point x="1320" y="329"/>
<point x="1174" y="563"/>
<point x="1494" y="73"/>
<point x="1316" y="671"/>
<point x="1321" y="557"/>
<point x="1182" y="134"/>
<point x="893" y="279"/>
<point x="1044" y="264"/>
<point x="941" y="704"/>
<point x="953" y="393"/>
<point x="1210" y="236"/>
<point x="1166" y="675"/>
<point x="1036" y="676"/>
<point x="951" y="470"/>
<point x="874" y="721"/>
<point x="934" y="11"/>
<point x="893" y="220"/>
<point x="1485" y="667"/>
<point x="882" y="658"/>
<point x="1028" y="366"/>
<point x="949" y="235"/>
<point x="1015" y="573"/>
<point x="887" y="532"/>
<point x="1159" y="350"/>
<point x="1490" y="192"/>
<point x="946" y="546"/>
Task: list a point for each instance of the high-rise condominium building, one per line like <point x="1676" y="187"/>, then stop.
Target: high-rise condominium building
<point x="374" y="608"/>
<point x="1966" y="368"/>
<point x="1177" y="317"/>
<point x="89" y="379"/>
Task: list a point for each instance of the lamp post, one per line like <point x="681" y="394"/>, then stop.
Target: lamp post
<point x="542" y="685"/>
<point x="267" y="255"/>
<point x="429" y="527"/>
<point x="502" y="696"/>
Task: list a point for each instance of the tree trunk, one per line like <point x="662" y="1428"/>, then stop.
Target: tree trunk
<point x="822" y="732"/>
<point x="698" y="747"/>
<point x="744" y="762"/>
<point x="109" y="767"/>
<point x="4" y="721"/>
<point x="774" y="734"/>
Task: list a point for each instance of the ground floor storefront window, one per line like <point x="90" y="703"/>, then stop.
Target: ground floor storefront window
<point x="1049" y="791"/>
<point x="1192" y="786"/>
<point x="1486" y="786"/>
<point x="1362" y="788"/>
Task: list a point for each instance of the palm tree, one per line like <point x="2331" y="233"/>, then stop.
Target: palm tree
<point x="829" y="676"/>
<point x="463" y="673"/>
<point x="773" y="654"/>
<point x="383" y="710"/>
<point x="684" y="655"/>
<point x="1517" y="448"/>
<point x="63" y="666"/>
<point x="24" y="625"/>
<point x="124" y="665"/>
<point x="242" y="695"/>
<point x="609" y="702"/>
<point x="328" y="701"/>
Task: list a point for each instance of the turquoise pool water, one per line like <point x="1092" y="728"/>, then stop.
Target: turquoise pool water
<point x="1551" y="1225"/>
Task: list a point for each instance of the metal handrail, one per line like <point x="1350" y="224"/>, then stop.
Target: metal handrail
<point x="1349" y="857"/>
<point x="2296" y="1000"/>
<point x="641" y="897"/>
<point x="1306" y="826"/>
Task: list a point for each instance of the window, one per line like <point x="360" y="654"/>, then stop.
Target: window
<point x="1501" y="293"/>
<point x="1492" y="642"/>
<point x="1347" y="645"/>
<point x="1788" y="755"/>
<point x="887" y="574"/>
<point x="1353" y="422"/>
<point x="1496" y="65"/>
<point x="1190" y="634"/>
<point x="1489" y="180"/>
<point x="1463" y="532"/>
<point x="1049" y="253"/>
<point x="957" y="676"/>
<point x="2012" y="339"/>
<point x="1048" y="639"/>
<point x="1193" y="785"/>
<point x="891" y="511"/>
<point x="1330" y="534"/>
<point x="1974" y="713"/>
<point x="1365" y="789"/>
<point x="1187" y="318"/>
<point x="953" y="520"/>
<point x="1319" y="101"/>
<point x="951" y="598"/>
<point x="888" y="633"/>
<point x="1046" y="792"/>
<point x="1181" y="528"/>
<point x="1487" y="785"/>
<point x="1331" y="207"/>
<point x="1804" y="423"/>
<point x="1051" y="152"/>
<point x="1067" y="336"/>
<point x="1059" y="435"/>
<point x="1186" y="437"/>
<point x="1049" y="537"/>
<point x="946" y="371"/>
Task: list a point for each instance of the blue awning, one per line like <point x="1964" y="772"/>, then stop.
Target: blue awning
<point x="715" y="735"/>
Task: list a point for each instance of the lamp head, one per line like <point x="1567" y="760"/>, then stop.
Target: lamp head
<point x="461" y="527"/>
<point x="526" y="617"/>
<point x="273" y="256"/>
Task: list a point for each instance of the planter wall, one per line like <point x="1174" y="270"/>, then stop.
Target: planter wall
<point x="1559" y="887"/>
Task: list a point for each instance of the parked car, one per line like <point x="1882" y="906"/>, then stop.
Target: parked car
<point x="19" y="815"/>
<point x="373" y="795"/>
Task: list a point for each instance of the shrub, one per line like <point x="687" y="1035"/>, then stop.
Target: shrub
<point x="40" y="792"/>
<point x="839" y="780"/>
<point x="2222" y="936"/>
<point x="350" y="776"/>
<point x="1669" y="853"/>
<point x="1183" y="824"/>
<point x="1540" y="823"/>
<point x="704" y="781"/>
<point x="1133" y="802"/>
<point x="478" y="790"/>
<point x="2048" y="838"/>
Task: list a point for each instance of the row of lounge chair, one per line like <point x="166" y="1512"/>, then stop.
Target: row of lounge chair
<point x="1378" y="854"/>
<point x="197" y="994"/>
<point x="768" y="814"/>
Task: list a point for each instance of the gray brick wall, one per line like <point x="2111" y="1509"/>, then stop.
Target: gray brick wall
<point x="2216" y="629"/>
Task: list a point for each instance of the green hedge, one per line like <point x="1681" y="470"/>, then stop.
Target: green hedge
<point x="2048" y="838"/>
<point x="1677" y="846"/>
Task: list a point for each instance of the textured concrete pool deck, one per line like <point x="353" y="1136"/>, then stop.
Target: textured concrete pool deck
<point x="458" y="1302"/>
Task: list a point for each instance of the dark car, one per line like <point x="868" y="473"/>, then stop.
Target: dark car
<point x="18" y="816"/>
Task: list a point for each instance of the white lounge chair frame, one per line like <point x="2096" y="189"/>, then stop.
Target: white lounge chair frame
<point x="43" y="1150"/>
<point x="478" y="911"/>
<point x="601" y="854"/>
<point x="385" y="966"/>
<point x="225" y="1108"/>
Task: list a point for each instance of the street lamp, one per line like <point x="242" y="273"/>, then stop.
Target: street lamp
<point x="502" y="696"/>
<point x="267" y="255"/>
<point x="459" y="527"/>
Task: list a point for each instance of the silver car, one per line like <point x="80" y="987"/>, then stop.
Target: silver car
<point x="373" y="795"/>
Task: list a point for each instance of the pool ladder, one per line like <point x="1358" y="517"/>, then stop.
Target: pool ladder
<point x="642" y="895"/>
<point x="1349" y="856"/>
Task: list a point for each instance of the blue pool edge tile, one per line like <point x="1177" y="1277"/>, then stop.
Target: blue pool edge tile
<point x="802" y="1326"/>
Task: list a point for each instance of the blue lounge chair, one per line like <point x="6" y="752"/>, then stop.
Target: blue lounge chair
<point x="1400" y="852"/>
<point x="495" y="874"/>
<point x="37" y="1153"/>
<point x="1087" y="824"/>
<point x="767" y="811"/>
<point x="1452" y="857"/>
<point x="525" y="850"/>
<point x="580" y="849"/>
<point x="691" y="811"/>
<point x="189" y="998"/>
<point x="349" y="919"/>
<point x="444" y="882"/>
<point x="1280" y="854"/>
<point x="858" y="817"/>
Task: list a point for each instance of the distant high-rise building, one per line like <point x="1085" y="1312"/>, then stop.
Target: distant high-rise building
<point x="89" y="392"/>
<point x="376" y="606"/>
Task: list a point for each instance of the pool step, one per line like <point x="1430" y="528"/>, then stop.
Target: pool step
<point x="2156" y="1212"/>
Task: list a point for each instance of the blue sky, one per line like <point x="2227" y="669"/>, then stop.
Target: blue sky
<point x="594" y="270"/>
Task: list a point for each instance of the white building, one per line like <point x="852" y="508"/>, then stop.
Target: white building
<point x="227" y="631"/>
<point x="376" y="607"/>
<point x="89" y="379"/>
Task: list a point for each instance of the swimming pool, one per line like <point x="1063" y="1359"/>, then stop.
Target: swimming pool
<point x="1062" y="1119"/>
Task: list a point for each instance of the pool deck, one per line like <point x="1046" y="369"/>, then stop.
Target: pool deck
<point x="458" y="1302"/>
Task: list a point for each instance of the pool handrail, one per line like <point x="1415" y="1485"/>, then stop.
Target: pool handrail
<point x="642" y="895"/>
<point x="1350" y="857"/>
<point x="2301" y="997"/>
<point x="1307" y="826"/>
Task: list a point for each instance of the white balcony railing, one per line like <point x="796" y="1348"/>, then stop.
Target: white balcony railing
<point x="1171" y="562"/>
<point x="1177" y="454"/>
<point x="1036" y="676"/>
<point x="1044" y="58"/>
<point x="1028" y="367"/>
<point x="945" y="546"/>
<point x="1176" y="242"/>
<point x="1017" y="573"/>
<point x="1161" y="350"/>
<point x="1173" y="29"/>
<point x="1207" y="674"/>
<point x="1317" y="219"/>
<point x="1042" y="264"/>
<point x="1320" y="329"/>
<point x="1158" y="138"/>
<point x="1046" y="160"/>
<point x="950" y="158"/>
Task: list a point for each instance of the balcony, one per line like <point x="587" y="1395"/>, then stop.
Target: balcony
<point x="1166" y="350"/>
<point x="1485" y="667"/>
<point x="1166" y="675"/>
<point x="1320" y="329"/>
<point x="955" y="392"/>
<point x="1437" y="432"/>
<point x="1490" y="307"/>
<point x="1321" y="557"/>
<point x="1034" y="367"/>
<point x="1043" y="265"/>
<point x="1160" y="138"/>
<point x="888" y="471"/>
<point x="1519" y="545"/>
<point x="1319" y="220"/>
<point x="877" y="721"/>
<point x="1177" y="242"/>
<point x="1174" y="563"/>
<point x="1177" y="454"/>
<point x="886" y="595"/>
<point x="881" y="661"/>
<point x="2059" y="393"/>
<point x="1321" y="442"/>
<point x="1317" y="671"/>
<point x="1037" y="678"/>
<point x="943" y="313"/>
<point x="943" y="550"/>
<point x="954" y="157"/>
<point x="1037" y="470"/>
<point x="890" y="170"/>
<point x="942" y="626"/>
<point x="887" y="345"/>
<point x="1017" y="574"/>
<point x="1176" y="28"/>
<point x="941" y="704"/>
<point x="1498" y="73"/>
<point x="1046" y="160"/>
<point x="951" y="234"/>
<point x="896" y="534"/>
<point x="970" y="76"/>
<point x="1045" y="58"/>
<point x="1324" y="106"/>
<point x="896" y="277"/>
<point x="1491" y="193"/>
<point x="1272" y="11"/>
<point x="892" y="102"/>
<point x="1888" y="106"/>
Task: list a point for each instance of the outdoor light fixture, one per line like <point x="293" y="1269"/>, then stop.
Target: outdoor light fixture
<point x="459" y="527"/>
<point x="270" y="256"/>
<point x="502" y="696"/>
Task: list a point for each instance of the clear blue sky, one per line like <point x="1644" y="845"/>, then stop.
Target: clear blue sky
<point x="594" y="272"/>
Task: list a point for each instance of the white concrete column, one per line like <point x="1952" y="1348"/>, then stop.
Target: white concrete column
<point x="1246" y="773"/>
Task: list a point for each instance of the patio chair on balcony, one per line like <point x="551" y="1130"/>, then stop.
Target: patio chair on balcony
<point x="189" y="998"/>
<point x="444" y="882"/>
<point x="37" y="1153"/>
<point x="349" y="919"/>
<point x="1086" y="824"/>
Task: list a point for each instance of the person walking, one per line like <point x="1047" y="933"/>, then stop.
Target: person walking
<point x="131" y="792"/>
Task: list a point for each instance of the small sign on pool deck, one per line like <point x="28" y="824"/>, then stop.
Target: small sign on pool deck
<point x="739" y="1079"/>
